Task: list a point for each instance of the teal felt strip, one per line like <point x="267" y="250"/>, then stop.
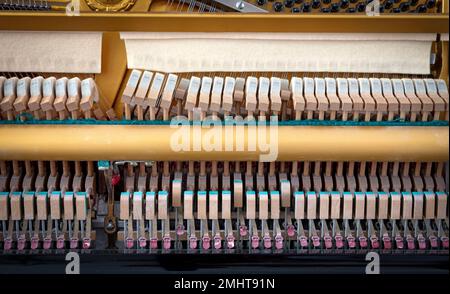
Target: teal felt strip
<point x="313" y="122"/>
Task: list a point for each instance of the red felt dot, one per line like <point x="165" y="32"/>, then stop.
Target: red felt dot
<point x="115" y="179"/>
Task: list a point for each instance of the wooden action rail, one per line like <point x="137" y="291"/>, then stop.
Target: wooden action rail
<point x="172" y="22"/>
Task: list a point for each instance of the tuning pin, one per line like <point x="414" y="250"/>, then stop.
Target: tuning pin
<point x="230" y="241"/>
<point x="404" y="6"/>
<point x="344" y="4"/>
<point x="34" y="243"/>
<point x="166" y="243"/>
<point x="153" y="243"/>
<point x="421" y="9"/>
<point x="326" y="1"/>
<point x="290" y="230"/>
<point x="289" y="3"/>
<point x="60" y="243"/>
<point x="206" y="242"/>
<point x="325" y="10"/>
<point x="255" y="242"/>
<point x="47" y="243"/>
<point x="388" y="4"/>
<point x="21" y="243"/>
<point x="86" y="243"/>
<point x="217" y="242"/>
<point x="334" y="7"/>
<point x="277" y="6"/>
<point x="295" y="10"/>
<point x="279" y="242"/>
<point x="193" y="242"/>
<point x="351" y="10"/>
<point x="315" y="4"/>
<point x="129" y="242"/>
<point x="306" y="7"/>
<point x="243" y="230"/>
<point x="73" y="243"/>
<point x="339" y="241"/>
<point x="267" y="242"/>
<point x="261" y="2"/>
<point x="396" y="10"/>
<point x="361" y="7"/>
<point x="431" y="3"/>
<point x="7" y="244"/>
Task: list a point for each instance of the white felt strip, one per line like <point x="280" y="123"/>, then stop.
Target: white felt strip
<point x="68" y="52"/>
<point x="374" y="53"/>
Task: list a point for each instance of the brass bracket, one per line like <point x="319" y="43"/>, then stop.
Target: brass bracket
<point x="110" y="5"/>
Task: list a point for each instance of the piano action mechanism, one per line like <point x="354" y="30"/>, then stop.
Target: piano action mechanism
<point x="348" y="160"/>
